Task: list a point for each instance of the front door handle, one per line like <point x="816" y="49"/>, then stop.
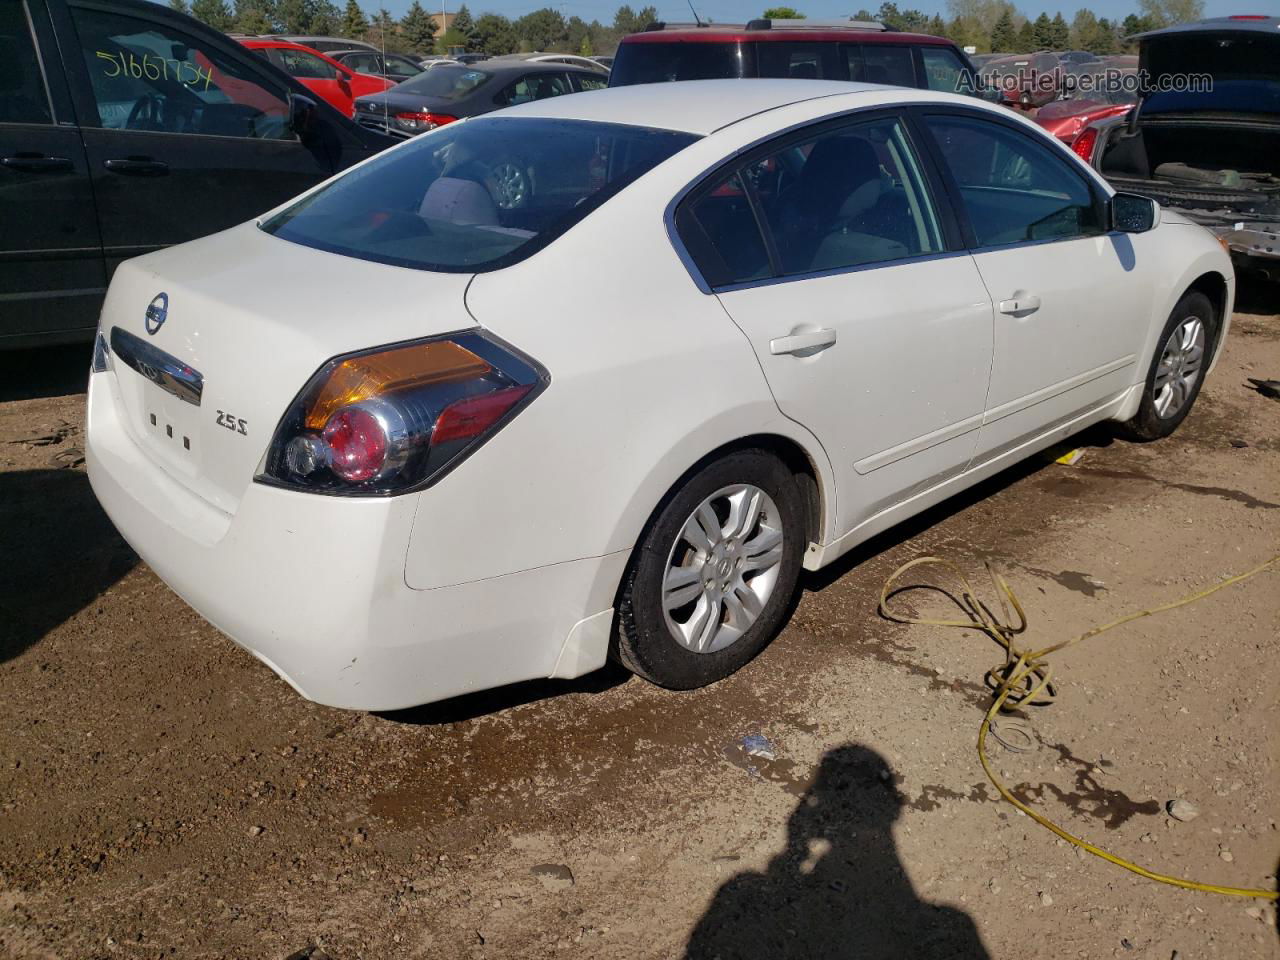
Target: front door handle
<point x="37" y="163"/>
<point x="809" y="340"/>
<point x="1020" y="305"/>
<point x="137" y="166"/>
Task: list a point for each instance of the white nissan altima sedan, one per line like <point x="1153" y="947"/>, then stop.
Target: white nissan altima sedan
<point x="377" y="438"/>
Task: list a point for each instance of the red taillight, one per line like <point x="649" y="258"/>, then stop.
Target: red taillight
<point x="395" y="418"/>
<point x="1248" y="16"/>
<point x="357" y="444"/>
<point x="474" y="415"/>
<point x="1083" y="145"/>
<point x="423" y="121"/>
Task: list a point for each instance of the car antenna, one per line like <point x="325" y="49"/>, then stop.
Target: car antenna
<point x="696" y="18"/>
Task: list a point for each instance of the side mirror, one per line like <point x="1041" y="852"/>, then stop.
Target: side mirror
<point x="303" y="116"/>
<point x="1132" y="213"/>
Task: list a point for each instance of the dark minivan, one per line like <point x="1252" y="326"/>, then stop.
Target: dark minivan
<point x="126" y="127"/>
<point x="798" y="49"/>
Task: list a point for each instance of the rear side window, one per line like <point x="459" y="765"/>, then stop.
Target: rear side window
<point x="536" y="86"/>
<point x="305" y="66"/>
<point x="477" y="195"/>
<point x="943" y="70"/>
<point x="848" y="197"/>
<point x="662" y="62"/>
<point x="362" y="62"/>
<point x="1014" y="189"/>
<point x="720" y="231"/>
<point x="147" y="75"/>
<point x="881" y="63"/>
<point x="799" y="61"/>
<point x="22" y="95"/>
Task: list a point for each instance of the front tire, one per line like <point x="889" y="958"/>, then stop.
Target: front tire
<point x="712" y="579"/>
<point x="1177" y="370"/>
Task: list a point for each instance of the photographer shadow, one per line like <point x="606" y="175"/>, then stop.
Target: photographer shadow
<point x="839" y="889"/>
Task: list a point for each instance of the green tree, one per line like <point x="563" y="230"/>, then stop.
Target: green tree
<point x="1003" y="35"/>
<point x="986" y="13"/>
<point x="542" y="29"/>
<point x="1164" y="13"/>
<point x="326" y="18"/>
<point x="585" y="49"/>
<point x="1133" y="25"/>
<point x="1042" y="30"/>
<point x="1026" y="38"/>
<point x="354" y="22"/>
<point x="1104" y="38"/>
<point x="1061" y="33"/>
<point x="1083" y="27"/>
<point x="495" y="35"/>
<point x="466" y="26"/>
<point x="891" y="16"/>
<point x="383" y="30"/>
<point x="180" y="5"/>
<point x="783" y="13"/>
<point x="215" y="13"/>
<point x="627" y="20"/>
<point x="252" y="18"/>
<point x="418" y="28"/>
<point x="936" y="27"/>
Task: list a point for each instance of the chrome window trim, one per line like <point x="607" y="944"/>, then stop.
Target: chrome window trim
<point x="839" y="271"/>
<point x="164" y="370"/>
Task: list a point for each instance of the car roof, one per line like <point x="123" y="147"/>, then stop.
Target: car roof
<point x="1250" y="23"/>
<point x="788" y="35"/>
<point x="504" y="66"/>
<point x="704" y="106"/>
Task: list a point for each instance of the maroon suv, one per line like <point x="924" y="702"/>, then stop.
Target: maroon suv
<point x="807" y="50"/>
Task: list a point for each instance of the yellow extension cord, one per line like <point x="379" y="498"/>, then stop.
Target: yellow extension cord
<point x="1025" y="678"/>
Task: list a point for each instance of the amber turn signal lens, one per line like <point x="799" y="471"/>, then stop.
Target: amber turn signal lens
<point x="361" y="378"/>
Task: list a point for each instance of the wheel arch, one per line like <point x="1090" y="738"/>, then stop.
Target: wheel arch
<point x="1214" y="286"/>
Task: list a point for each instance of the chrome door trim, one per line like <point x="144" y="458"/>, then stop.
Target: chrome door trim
<point x="164" y="370"/>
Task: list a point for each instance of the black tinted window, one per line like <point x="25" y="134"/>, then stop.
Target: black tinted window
<point x="719" y="229"/>
<point x="445" y="83"/>
<point x="799" y="61"/>
<point x="850" y="197"/>
<point x="660" y="62"/>
<point x="881" y="63"/>
<point x="475" y="195"/>
<point x="1014" y="189"/>
<point x="22" y="93"/>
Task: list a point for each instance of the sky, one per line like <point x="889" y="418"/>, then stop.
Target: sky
<point x="736" y="11"/>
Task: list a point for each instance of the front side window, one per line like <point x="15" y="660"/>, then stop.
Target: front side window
<point x="477" y="195"/>
<point x="402" y="67"/>
<point x="536" y="86"/>
<point x="798" y="61"/>
<point x="361" y="63"/>
<point x="149" y="76"/>
<point x="305" y="66"/>
<point x="23" y="98"/>
<point x="881" y="63"/>
<point x="1014" y="189"/>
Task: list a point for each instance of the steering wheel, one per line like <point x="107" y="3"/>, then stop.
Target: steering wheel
<point x="509" y="185"/>
<point x="145" y="114"/>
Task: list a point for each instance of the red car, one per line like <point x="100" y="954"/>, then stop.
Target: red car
<point x="1025" y="80"/>
<point x="327" y="79"/>
<point x="1107" y="92"/>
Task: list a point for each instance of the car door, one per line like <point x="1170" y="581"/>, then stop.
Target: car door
<point x="1069" y="296"/>
<point x="52" y="275"/>
<point x="186" y="132"/>
<point x="829" y="250"/>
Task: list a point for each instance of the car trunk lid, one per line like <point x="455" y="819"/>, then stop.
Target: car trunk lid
<point x="212" y="340"/>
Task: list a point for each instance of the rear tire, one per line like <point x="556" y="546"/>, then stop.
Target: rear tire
<point x="712" y="578"/>
<point x="1176" y="374"/>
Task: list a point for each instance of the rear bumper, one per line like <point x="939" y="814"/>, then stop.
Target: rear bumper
<point x="315" y="587"/>
<point x="1252" y="240"/>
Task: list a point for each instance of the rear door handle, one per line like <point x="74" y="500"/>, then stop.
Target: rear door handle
<point x="35" y="163"/>
<point x="1027" y="303"/>
<point x="137" y="166"/>
<point x="800" y="342"/>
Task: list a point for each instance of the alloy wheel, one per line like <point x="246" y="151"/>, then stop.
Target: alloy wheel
<point x="722" y="568"/>
<point x="1181" y="365"/>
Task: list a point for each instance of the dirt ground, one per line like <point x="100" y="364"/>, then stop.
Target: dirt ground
<point x="164" y="794"/>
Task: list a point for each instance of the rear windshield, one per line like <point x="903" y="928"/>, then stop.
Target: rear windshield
<point x="475" y="195"/>
<point x="663" y="62"/>
<point x="1233" y="72"/>
<point x="445" y="83"/>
